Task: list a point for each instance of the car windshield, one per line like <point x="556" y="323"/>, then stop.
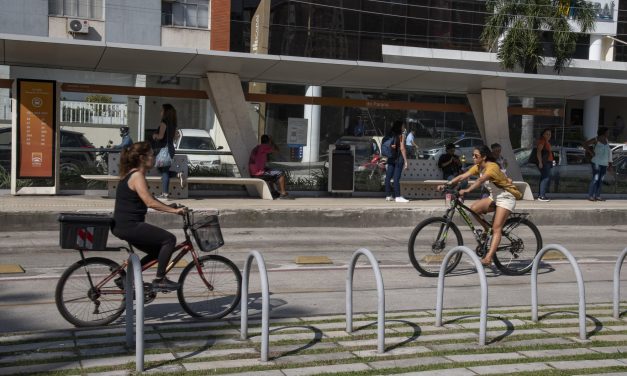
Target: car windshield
<point x="197" y="143"/>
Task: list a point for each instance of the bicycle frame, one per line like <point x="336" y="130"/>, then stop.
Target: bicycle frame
<point x="463" y="210"/>
<point x="182" y="248"/>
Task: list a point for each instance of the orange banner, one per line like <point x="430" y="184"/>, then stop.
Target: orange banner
<point x="36" y="130"/>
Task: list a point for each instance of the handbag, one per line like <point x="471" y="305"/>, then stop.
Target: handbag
<point x="163" y="158"/>
<point x="533" y="157"/>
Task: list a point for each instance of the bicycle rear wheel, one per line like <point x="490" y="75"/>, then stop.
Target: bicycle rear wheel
<point x="518" y="247"/>
<point x="198" y="299"/>
<point x="80" y="299"/>
<point x="427" y="245"/>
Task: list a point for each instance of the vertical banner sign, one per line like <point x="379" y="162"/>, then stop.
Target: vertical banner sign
<point x="36" y="128"/>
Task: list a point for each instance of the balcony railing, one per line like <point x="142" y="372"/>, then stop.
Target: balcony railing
<point x="93" y="113"/>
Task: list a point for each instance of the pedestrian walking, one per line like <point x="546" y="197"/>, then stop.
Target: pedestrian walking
<point x="544" y="158"/>
<point x="396" y="161"/>
<point x="601" y="161"/>
<point x="164" y="139"/>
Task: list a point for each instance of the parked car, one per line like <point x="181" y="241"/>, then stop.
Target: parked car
<point x="74" y="161"/>
<point x="192" y="141"/>
<point x="464" y="146"/>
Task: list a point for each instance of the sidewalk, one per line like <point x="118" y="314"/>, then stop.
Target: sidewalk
<point x="20" y="212"/>
<point x="316" y="345"/>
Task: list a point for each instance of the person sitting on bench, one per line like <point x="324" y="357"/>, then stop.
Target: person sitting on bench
<point x="258" y="169"/>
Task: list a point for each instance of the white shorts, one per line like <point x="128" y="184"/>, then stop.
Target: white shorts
<point x="505" y="200"/>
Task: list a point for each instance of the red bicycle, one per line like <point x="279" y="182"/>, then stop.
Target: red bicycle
<point x="91" y="291"/>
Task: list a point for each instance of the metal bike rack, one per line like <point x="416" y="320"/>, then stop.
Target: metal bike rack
<point x="483" y="317"/>
<point x="265" y="302"/>
<point x="582" y="292"/>
<point x="134" y="275"/>
<point x="380" y="296"/>
<point x="617" y="267"/>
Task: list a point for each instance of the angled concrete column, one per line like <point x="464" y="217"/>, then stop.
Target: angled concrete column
<point x="496" y="126"/>
<point x="477" y="111"/>
<point x="227" y="99"/>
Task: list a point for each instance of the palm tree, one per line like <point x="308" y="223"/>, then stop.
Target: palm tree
<point x="518" y="29"/>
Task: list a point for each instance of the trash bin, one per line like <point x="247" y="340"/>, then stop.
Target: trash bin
<point x="341" y="168"/>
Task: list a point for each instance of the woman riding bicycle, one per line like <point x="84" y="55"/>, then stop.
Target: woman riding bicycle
<point x="132" y="200"/>
<point x="503" y="194"/>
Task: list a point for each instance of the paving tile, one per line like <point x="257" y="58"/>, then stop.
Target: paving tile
<point x="300" y="347"/>
<point x="424" y="338"/>
<point x="509" y="368"/>
<point x="583" y="364"/>
<point x="540" y="342"/>
<point x="48" y="367"/>
<point x="167" y="368"/>
<point x="293" y="359"/>
<point x="492" y="324"/>
<point x="274" y="372"/>
<point x="185" y="355"/>
<point x="100" y="332"/>
<point x="610" y="349"/>
<point x="560" y="352"/>
<point x="283" y="337"/>
<point x="204" y="343"/>
<point x="443" y="372"/>
<point x="95" y="351"/>
<point x="200" y="333"/>
<point x="394" y="352"/>
<point x="605" y="374"/>
<point x="43" y="336"/>
<point x="111" y="373"/>
<point x="34" y="346"/>
<point x="362" y="332"/>
<point x="199" y="366"/>
<point x="484" y="357"/>
<point x="393" y="315"/>
<point x="336" y="368"/>
<point x="408" y="362"/>
<point x="108" y="361"/>
<point x="36" y="356"/>
<point x="200" y="325"/>
<point x="610" y="337"/>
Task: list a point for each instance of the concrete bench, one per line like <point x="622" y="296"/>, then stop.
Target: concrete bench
<point x="423" y="176"/>
<point x="179" y="164"/>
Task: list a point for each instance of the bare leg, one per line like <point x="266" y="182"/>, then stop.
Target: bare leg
<point x="282" y="185"/>
<point x="497" y="228"/>
<point x="481" y="207"/>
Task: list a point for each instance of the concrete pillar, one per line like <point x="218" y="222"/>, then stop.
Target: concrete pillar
<point x="496" y="126"/>
<point x="312" y="114"/>
<point x="591" y="116"/>
<point x="477" y="110"/>
<point x="227" y="99"/>
<point x="591" y="105"/>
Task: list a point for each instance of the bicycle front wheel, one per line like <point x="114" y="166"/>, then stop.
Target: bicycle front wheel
<point x="427" y="245"/>
<point x="218" y="296"/>
<point x="82" y="298"/>
<point x="518" y="247"/>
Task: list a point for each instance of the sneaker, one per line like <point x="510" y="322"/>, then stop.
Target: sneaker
<point x="164" y="284"/>
<point x="275" y="194"/>
<point x="164" y="196"/>
<point x="543" y="199"/>
<point x="600" y="199"/>
<point x="285" y="197"/>
<point x="389" y="198"/>
<point x="401" y="199"/>
<point x="179" y="175"/>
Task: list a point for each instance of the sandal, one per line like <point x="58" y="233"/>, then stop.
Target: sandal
<point x="486" y="263"/>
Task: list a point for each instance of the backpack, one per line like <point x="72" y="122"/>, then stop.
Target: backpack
<point x="386" y="147"/>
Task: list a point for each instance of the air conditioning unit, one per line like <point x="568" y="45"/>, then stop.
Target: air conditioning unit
<point x="77" y="26"/>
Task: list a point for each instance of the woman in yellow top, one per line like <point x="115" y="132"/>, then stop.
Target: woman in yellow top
<point x="503" y="194"/>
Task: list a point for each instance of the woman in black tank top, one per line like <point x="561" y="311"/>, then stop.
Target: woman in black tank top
<point x="132" y="201"/>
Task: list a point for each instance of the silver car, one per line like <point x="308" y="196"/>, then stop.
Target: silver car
<point x="463" y="147"/>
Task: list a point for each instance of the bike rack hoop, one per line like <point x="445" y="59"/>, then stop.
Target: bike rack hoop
<point x="380" y="296"/>
<point x="483" y="317"/>
<point x="617" y="268"/>
<point x="265" y="302"/>
<point x="582" y="292"/>
<point x="134" y="276"/>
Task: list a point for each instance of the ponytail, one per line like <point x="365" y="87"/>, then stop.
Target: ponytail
<point x="485" y="151"/>
<point x="131" y="156"/>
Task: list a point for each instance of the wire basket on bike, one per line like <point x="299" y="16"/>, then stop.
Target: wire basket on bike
<point x="207" y="233"/>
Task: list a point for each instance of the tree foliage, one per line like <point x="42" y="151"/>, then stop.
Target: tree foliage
<point x="517" y="30"/>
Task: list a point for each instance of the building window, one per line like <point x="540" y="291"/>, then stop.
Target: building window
<point x="92" y="9"/>
<point x="185" y="13"/>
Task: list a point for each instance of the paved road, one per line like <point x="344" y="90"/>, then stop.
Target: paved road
<point x="27" y="300"/>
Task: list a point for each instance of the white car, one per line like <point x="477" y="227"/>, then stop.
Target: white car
<point x="463" y="146"/>
<point x="192" y="142"/>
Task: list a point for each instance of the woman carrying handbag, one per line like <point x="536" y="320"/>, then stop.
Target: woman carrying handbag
<point x="165" y="138"/>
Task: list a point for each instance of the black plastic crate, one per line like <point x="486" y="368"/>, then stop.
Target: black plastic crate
<point x="84" y="231"/>
<point x="207" y="233"/>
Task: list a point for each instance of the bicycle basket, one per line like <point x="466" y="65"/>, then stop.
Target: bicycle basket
<point x="207" y="233"/>
<point x="84" y="231"/>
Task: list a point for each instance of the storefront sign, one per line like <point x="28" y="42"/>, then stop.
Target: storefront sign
<point x="604" y="9"/>
<point x="296" y="132"/>
<point x="36" y="129"/>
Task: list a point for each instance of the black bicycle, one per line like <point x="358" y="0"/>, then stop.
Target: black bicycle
<point x="520" y="242"/>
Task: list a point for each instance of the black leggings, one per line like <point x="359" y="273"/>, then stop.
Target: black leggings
<point x="154" y="241"/>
